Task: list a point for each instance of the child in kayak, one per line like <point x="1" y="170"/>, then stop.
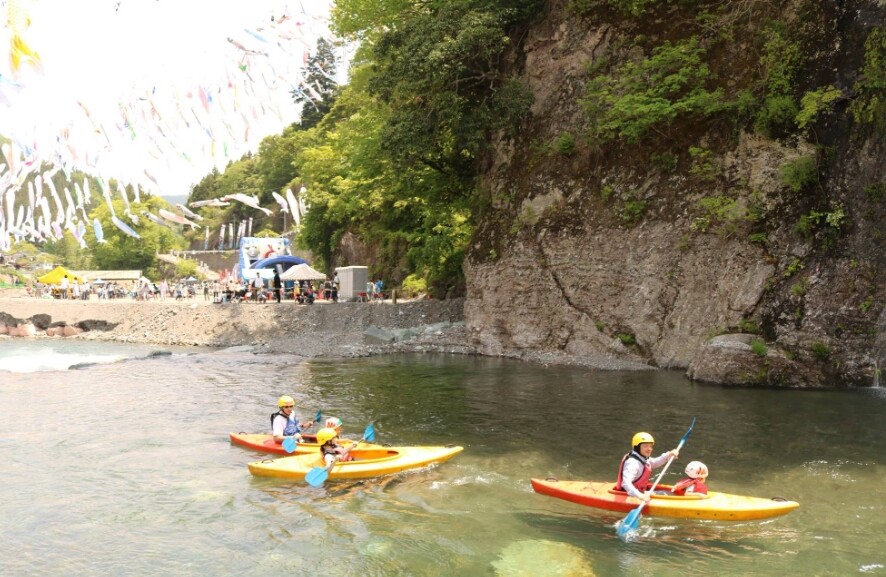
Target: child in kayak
<point x="330" y="450"/>
<point x="636" y="467"/>
<point x="694" y="483"/>
<point x="334" y="423"/>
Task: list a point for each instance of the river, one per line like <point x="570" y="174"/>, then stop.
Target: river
<point x="125" y="468"/>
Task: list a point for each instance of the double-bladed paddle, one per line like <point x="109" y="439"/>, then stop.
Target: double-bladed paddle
<point x="289" y="443"/>
<point x="318" y="475"/>
<point x="630" y="523"/>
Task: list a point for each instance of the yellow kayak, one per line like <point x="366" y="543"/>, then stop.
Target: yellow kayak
<point x="369" y="462"/>
<point x="714" y="505"/>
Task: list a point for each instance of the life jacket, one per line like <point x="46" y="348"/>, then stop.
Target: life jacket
<point x="344" y="454"/>
<point x="691" y="485"/>
<point x="329" y="448"/>
<point x="643" y="481"/>
<point x="291" y="423"/>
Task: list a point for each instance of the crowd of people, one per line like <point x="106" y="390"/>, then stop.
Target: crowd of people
<point x="256" y="290"/>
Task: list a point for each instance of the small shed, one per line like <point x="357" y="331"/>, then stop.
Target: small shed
<point x="352" y="281"/>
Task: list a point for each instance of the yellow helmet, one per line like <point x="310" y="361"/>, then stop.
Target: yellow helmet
<point x="642" y="438"/>
<point x="285" y="400"/>
<point x="325" y="434"/>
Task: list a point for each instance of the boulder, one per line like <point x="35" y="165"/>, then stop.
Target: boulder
<point x="531" y="558"/>
<point x="96" y="325"/>
<point x="26" y="329"/>
<point x="70" y="331"/>
<point x="41" y="321"/>
<point x="729" y="360"/>
<point x="8" y="320"/>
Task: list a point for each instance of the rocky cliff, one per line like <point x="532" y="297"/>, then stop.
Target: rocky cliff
<point x="691" y="247"/>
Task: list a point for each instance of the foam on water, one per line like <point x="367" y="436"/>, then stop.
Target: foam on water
<point x="40" y="355"/>
<point x="52" y="361"/>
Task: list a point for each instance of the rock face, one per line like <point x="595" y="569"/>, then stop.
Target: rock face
<point x="600" y="257"/>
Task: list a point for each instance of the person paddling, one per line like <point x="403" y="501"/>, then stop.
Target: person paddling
<point x="636" y="467"/>
<point x="284" y="423"/>
<point x="694" y="483"/>
<point x="330" y="450"/>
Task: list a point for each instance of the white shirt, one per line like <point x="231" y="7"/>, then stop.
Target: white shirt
<point x="632" y="470"/>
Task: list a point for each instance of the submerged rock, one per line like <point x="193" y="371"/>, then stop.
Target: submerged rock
<point x="532" y="558"/>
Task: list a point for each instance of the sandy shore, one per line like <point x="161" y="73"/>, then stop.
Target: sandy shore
<point x="321" y="329"/>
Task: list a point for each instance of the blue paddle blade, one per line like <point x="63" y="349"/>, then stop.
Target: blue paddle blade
<point x="630" y="523"/>
<point x="317" y="476"/>
<point x="289" y="444"/>
<point x="318" y="416"/>
<point x="369" y="433"/>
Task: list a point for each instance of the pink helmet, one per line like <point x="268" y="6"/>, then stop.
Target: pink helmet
<point x="696" y="469"/>
<point x="333" y="423"/>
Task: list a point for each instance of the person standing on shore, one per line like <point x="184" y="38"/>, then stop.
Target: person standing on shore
<point x="278" y="285"/>
<point x="258" y="285"/>
<point x="64" y="286"/>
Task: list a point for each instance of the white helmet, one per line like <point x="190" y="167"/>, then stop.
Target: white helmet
<point x="696" y="469"/>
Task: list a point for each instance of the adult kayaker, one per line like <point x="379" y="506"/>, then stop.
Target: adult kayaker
<point x="284" y="423"/>
<point x="694" y="483"/>
<point x="636" y="467"/>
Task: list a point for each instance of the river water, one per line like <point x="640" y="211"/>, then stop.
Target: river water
<point x="125" y="468"/>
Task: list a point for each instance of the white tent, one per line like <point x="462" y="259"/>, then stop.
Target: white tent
<point x="302" y="272"/>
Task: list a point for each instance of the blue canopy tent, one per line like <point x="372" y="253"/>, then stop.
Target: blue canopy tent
<point x="285" y="262"/>
<point x="266" y="267"/>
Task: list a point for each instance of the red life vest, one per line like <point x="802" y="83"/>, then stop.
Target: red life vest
<point x="640" y="483"/>
<point x="697" y="485"/>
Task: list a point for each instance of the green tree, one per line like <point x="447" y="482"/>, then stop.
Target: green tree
<point x="123" y="252"/>
<point x="319" y="90"/>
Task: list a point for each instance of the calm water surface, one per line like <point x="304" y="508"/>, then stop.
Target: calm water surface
<point x="125" y="468"/>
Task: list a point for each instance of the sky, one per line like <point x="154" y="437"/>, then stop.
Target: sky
<point x="153" y="92"/>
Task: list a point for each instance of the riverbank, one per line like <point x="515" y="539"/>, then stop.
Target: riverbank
<point x="319" y="330"/>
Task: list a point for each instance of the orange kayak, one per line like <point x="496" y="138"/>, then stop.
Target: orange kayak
<point x="714" y="505"/>
<point x="265" y="443"/>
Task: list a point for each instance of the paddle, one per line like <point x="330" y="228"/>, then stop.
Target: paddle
<point x="318" y="475"/>
<point x="630" y="523"/>
<point x="289" y="443"/>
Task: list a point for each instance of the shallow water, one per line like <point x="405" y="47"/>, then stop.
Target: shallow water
<point x="125" y="469"/>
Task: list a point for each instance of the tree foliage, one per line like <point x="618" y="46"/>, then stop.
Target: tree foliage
<point x="393" y="159"/>
<point x="123" y="252"/>
<point x="320" y="89"/>
<point x="870" y="106"/>
<point x="651" y="92"/>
